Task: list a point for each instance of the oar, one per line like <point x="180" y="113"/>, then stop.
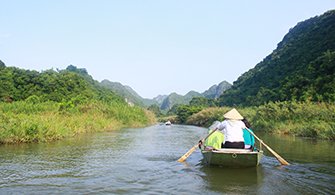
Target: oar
<point x="279" y="158"/>
<point x="188" y="153"/>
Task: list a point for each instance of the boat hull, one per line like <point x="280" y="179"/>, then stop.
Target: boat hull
<point x="232" y="157"/>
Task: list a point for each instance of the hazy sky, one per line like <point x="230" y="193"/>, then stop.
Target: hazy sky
<point x="154" y="46"/>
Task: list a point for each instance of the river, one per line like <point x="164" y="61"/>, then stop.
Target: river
<point x="144" y="161"/>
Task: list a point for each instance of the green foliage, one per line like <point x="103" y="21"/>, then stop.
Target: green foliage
<point x="33" y="99"/>
<point x="72" y="105"/>
<point x="62" y="86"/>
<point x="307" y="119"/>
<point x="24" y="121"/>
<point x="28" y="107"/>
<point x="55" y="104"/>
<point x="202" y="102"/>
<point x="299" y="76"/>
<point x="155" y="109"/>
<point x="301" y="68"/>
<point x="81" y="71"/>
<point x="207" y="116"/>
<point x="173" y="110"/>
<point x="302" y="119"/>
<point x="184" y="111"/>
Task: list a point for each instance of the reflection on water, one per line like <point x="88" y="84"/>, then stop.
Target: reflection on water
<point x="232" y="180"/>
<point x="302" y="150"/>
<point x="144" y="161"/>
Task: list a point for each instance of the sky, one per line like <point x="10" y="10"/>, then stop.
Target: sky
<point x="154" y="46"/>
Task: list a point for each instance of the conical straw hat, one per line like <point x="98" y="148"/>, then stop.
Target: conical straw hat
<point x="233" y="114"/>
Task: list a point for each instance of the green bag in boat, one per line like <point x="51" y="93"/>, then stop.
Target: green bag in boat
<point x="215" y="140"/>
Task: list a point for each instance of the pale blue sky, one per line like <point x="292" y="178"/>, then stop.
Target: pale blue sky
<point x="154" y="46"/>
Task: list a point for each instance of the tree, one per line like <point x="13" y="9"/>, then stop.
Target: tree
<point x="300" y="68"/>
<point x="202" y="101"/>
<point x="184" y="111"/>
<point x="155" y="109"/>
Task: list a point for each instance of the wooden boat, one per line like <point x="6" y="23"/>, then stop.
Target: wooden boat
<point x="227" y="157"/>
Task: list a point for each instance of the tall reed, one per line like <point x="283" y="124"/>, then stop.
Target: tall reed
<point x="307" y="119"/>
<point x="40" y="122"/>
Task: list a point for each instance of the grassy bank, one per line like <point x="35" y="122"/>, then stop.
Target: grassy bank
<point x="24" y="121"/>
<point x="315" y="120"/>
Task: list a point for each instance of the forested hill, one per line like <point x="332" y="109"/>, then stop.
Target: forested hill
<point x="127" y="93"/>
<point x="59" y="86"/>
<point x="302" y="67"/>
<point x="175" y="99"/>
<point x="216" y="90"/>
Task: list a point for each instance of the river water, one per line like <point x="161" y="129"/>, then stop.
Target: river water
<point x="144" y="161"/>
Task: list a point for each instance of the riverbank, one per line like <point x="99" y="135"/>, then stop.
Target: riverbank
<point x="24" y="121"/>
<point x="307" y="119"/>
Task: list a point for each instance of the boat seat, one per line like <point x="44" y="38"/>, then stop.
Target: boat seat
<point x="233" y="150"/>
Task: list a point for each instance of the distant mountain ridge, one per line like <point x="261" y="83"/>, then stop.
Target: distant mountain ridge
<point x="175" y="98"/>
<point x="165" y="102"/>
<point x="216" y="90"/>
<point x="130" y="95"/>
<point x="160" y="98"/>
<point x="213" y="92"/>
<point x="124" y="91"/>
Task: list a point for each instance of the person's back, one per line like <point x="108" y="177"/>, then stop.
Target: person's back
<point x="232" y="127"/>
<point x="233" y="134"/>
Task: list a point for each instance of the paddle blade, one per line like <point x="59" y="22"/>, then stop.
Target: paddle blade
<point x="278" y="157"/>
<point x="187" y="154"/>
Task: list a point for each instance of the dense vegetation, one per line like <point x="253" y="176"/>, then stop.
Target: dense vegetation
<point x="50" y="85"/>
<point x="316" y="120"/>
<point x="33" y="121"/>
<point x="50" y="105"/>
<point x="301" y="68"/>
<point x="292" y="91"/>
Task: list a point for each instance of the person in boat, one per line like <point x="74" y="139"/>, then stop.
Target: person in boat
<point x="232" y="129"/>
<point x="249" y="140"/>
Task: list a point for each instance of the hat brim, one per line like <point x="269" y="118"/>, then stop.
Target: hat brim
<point x="233" y="114"/>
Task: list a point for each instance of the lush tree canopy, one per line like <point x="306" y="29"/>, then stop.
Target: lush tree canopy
<point x="50" y="85"/>
<point x="301" y="68"/>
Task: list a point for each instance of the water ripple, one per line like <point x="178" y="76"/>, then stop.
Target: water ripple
<point x="144" y="161"/>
